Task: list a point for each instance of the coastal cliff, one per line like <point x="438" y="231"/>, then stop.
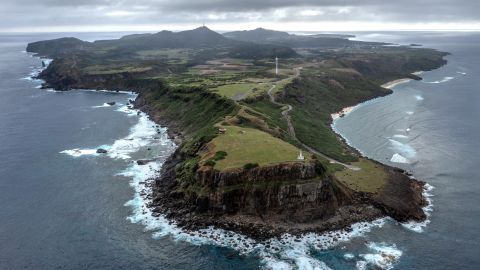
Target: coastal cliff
<point x="262" y="201"/>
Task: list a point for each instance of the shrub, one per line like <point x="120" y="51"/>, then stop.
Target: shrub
<point x="209" y="163"/>
<point x="219" y="155"/>
<point x="250" y="166"/>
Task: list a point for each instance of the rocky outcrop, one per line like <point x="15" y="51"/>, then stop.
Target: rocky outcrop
<point x="294" y="192"/>
<point x="402" y="197"/>
<point x="280" y="173"/>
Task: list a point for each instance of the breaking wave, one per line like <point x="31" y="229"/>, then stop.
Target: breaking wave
<point x="445" y="79"/>
<point x="420" y="226"/>
<point x="383" y="256"/>
<point x="400" y="136"/>
<point x="403" y="149"/>
<point x="397" y="158"/>
<point x="104" y="105"/>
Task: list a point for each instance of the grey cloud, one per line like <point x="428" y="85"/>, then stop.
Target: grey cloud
<point x="45" y="13"/>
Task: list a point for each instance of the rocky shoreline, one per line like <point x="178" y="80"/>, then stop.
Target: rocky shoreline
<point x="361" y="207"/>
<point x="331" y="206"/>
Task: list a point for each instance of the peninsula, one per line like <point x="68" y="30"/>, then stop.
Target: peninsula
<point x="256" y="152"/>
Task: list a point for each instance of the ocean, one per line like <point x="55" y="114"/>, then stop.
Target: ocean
<point x="66" y="207"/>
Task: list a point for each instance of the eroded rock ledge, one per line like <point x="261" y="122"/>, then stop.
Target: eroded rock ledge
<point x="285" y="198"/>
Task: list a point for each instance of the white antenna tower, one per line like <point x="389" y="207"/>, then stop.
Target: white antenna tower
<point x="276" y="65"/>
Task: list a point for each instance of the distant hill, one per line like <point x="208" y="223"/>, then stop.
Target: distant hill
<point x="265" y="36"/>
<point x="257" y="35"/>
<point x="196" y="38"/>
<point x="58" y="46"/>
<point x="199" y="38"/>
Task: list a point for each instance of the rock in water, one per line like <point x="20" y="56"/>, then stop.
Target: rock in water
<point x="143" y="161"/>
<point x="101" y="151"/>
<point x="111" y="103"/>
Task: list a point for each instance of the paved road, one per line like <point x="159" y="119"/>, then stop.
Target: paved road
<point x="291" y="130"/>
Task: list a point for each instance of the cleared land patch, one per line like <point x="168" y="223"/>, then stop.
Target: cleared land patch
<point x="370" y="178"/>
<point x="247" y="145"/>
<point x="233" y="90"/>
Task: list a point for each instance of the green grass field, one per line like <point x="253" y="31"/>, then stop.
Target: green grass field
<point x="248" y="145"/>
<point x="370" y="178"/>
<point x="232" y="90"/>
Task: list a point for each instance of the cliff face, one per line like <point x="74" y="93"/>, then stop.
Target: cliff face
<point x="285" y="193"/>
<point x="65" y="74"/>
<point x="292" y="192"/>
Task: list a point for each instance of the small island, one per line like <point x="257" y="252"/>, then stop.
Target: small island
<point x="251" y="112"/>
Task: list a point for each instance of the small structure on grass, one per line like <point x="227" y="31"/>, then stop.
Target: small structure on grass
<point x="300" y="156"/>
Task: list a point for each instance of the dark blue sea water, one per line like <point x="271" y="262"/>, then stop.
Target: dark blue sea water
<point x="65" y="207"/>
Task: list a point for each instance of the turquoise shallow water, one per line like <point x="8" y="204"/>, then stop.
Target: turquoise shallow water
<point x="65" y="208"/>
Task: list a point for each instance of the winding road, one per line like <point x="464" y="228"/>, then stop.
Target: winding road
<point x="291" y="130"/>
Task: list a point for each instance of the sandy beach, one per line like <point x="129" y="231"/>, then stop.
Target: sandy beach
<point x="388" y="85"/>
<point x="343" y="112"/>
<point x="391" y="84"/>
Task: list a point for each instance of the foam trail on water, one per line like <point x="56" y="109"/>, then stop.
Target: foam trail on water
<point x="400" y="136"/>
<point x="419" y="98"/>
<point x="80" y="152"/>
<point x="445" y="79"/>
<point x="104" y="105"/>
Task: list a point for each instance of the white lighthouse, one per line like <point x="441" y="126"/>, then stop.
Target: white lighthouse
<point x="276" y="65"/>
<point x="300" y="156"/>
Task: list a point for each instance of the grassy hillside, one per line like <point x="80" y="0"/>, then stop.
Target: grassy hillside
<point x="248" y="145"/>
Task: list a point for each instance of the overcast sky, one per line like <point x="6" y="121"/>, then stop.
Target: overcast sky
<point x="288" y="15"/>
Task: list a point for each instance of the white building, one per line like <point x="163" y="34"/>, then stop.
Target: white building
<point x="300" y="156"/>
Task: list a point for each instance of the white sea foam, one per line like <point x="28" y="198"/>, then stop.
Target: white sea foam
<point x="109" y="91"/>
<point x="419" y="98"/>
<point x="400" y="136"/>
<point x="141" y="135"/>
<point x="445" y="79"/>
<point x="361" y="265"/>
<point x="397" y="158"/>
<point x="348" y="256"/>
<point x="104" y="105"/>
<point x="80" y="152"/>
<point x="460" y="72"/>
<point x="384" y="256"/>
<point x="409" y="112"/>
<point x="403" y="149"/>
<point x="128" y="110"/>
<point x="286" y="252"/>
<point x="420" y="226"/>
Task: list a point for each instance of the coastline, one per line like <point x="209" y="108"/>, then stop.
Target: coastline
<point x="223" y="234"/>
<point x="262" y="230"/>
<point x="388" y="85"/>
<point x="416" y="226"/>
